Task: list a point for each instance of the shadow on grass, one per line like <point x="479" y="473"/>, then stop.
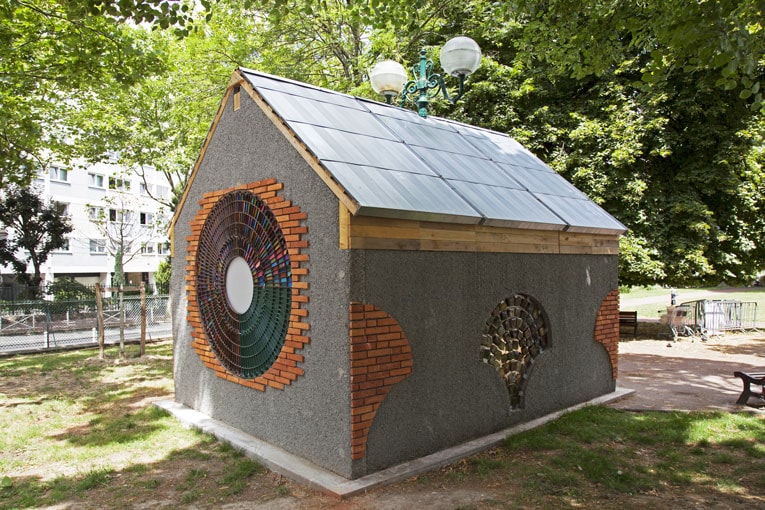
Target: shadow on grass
<point x="178" y="479"/>
<point x="116" y="392"/>
<point x="115" y="427"/>
<point x="716" y="456"/>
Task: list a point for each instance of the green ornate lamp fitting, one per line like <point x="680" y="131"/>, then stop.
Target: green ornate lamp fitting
<point x="460" y="57"/>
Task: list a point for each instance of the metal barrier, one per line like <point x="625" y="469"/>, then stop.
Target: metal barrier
<point x="40" y="325"/>
<point x="717" y="316"/>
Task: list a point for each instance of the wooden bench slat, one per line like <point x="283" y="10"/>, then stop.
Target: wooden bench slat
<point x="629" y="318"/>
<point x="749" y="378"/>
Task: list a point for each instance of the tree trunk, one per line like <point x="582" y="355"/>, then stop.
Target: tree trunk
<point x="100" y="308"/>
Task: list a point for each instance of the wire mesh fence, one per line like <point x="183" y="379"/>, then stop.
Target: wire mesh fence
<point x="46" y="324"/>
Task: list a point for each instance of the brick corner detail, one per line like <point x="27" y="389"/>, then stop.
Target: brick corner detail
<point x="380" y="358"/>
<point x="607" y="328"/>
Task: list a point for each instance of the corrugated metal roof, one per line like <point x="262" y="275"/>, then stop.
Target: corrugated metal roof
<point x="394" y="163"/>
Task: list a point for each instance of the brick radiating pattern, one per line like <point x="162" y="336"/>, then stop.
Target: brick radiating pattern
<point x="607" y="328"/>
<point x="291" y="221"/>
<point x="380" y="358"/>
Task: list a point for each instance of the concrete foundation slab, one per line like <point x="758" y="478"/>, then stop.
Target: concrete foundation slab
<point x="304" y="472"/>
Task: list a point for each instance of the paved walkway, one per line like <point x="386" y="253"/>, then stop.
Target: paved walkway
<point x="688" y="374"/>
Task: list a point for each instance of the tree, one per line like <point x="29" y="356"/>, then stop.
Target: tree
<point x="162" y="277"/>
<point x="679" y="160"/>
<point x="125" y="233"/>
<point x="54" y="57"/>
<point x="720" y="41"/>
<point x="34" y="229"/>
<point x="162" y="120"/>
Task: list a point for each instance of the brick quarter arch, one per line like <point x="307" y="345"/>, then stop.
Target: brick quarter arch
<point x="290" y="219"/>
<point x="607" y="328"/>
<point x="380" y="358"/>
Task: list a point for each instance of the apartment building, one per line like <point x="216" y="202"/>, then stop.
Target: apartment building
<point x="104" y="202"/>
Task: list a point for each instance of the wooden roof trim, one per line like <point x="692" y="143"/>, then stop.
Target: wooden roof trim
<point x="339" y="191"/>
<point x="233" y="82"/>
<point x="373" y="233"/>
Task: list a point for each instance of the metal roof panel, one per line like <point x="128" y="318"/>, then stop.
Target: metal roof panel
<point x="264" y="81"/>
<point x="501" y="148"/>
<point x="539" y="181"/>
<point x="320" y="113"/>
<point x="409" y="193"/>
<point x="508" y="207"/>
<point x="335" y="145"/>
<point x="466" y="168"/>
<point x="582" y="215"/>
<point x="431" y="134"/>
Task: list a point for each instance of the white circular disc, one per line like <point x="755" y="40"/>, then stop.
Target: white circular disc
<point x="239" y="285"/>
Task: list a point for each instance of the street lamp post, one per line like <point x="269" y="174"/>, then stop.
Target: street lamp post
<point x="459" y="57"/>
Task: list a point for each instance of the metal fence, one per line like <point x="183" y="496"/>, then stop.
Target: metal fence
<point x="40" y="325"/>
<point x="716" y="317"/>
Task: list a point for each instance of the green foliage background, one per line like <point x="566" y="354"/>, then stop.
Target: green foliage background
<point x="654" y="109"/>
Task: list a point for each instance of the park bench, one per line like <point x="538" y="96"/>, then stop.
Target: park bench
<point x="629" y="318"/>
<point x="748" y="379"/>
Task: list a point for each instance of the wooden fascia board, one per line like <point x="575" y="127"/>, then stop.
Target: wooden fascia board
<point x="373" y="233"/>
<point x="302" y="149"/>
<point x="235" y="80"/>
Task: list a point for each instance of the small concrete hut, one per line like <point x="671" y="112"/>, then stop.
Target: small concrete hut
<point x="360" y="286"/>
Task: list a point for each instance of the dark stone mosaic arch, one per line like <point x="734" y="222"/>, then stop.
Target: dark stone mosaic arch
<point x="246" y="317"/>
<point x="515" y="334"/>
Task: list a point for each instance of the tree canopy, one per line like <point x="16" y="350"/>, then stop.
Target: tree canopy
<point x="54" y="56"/>
<point x="654" y="109"/>
<point x="677" y="156"/>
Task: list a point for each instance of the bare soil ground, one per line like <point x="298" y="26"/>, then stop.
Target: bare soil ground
<point x="689" y="374"/>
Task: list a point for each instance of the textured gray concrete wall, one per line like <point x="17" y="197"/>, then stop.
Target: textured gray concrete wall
<point x="310" y="417"/>
<point x="442" y="301"/>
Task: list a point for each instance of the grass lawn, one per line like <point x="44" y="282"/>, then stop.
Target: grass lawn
<point x="82" y="433"/>
<point x="653" y="301"/>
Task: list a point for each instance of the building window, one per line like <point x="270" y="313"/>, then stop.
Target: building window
<point x="64" y="247"/>
<point x="119" y="184"/>
<point x="146" y="218"/>
<point x="147" y="249"/>
<point x="120" y="216"/>
<point x="163" y="191"/>
<point x="98" y="246"/>
<point x="96" y="180"/>
<point x="59" y="174"/>
<point x="95" y="213"/>
<point x="144" y="189"/>
<point x="61" y="208"/>
<point x="163" y="248"/>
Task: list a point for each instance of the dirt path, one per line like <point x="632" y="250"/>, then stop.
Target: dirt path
<point x="688" y="374"/>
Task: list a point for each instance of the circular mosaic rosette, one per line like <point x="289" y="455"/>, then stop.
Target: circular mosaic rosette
<point x="246" y="339"/>
<point x="514" y="335"/>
